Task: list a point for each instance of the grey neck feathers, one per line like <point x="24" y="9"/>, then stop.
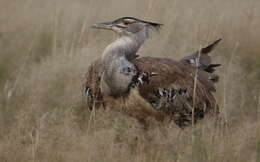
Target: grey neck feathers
<point x="126" y="45"/>
<point x="118" y="71"/>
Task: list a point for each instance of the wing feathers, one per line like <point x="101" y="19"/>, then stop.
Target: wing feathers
<point x="205" y="60"/>
<point x="171" y="90"/>
<point x="210" y="47"/>
<point x="167" y="85"/>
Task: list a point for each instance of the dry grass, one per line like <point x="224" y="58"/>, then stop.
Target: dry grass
<point x="46" y="47"/>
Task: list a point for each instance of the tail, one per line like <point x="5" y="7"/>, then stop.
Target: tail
<point x="201" y="58"/>
<point x="210" y="47"/>
<point x="211" y="68"/>
<point x="203" y="61"/>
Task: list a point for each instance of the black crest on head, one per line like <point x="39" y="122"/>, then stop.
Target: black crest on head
<point x="156" y="25"/>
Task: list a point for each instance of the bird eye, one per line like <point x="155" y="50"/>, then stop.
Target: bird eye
<point x="126" y="22"/>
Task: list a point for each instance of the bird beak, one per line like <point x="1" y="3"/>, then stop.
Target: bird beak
<point x="104" y="25"/>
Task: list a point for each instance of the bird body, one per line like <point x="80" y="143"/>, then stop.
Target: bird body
<point x="180" y="89"/>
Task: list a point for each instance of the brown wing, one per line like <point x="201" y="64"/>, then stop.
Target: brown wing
<point x="171" y="89"/>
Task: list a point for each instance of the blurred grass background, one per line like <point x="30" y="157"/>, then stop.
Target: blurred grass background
<point x="46" y="47"/>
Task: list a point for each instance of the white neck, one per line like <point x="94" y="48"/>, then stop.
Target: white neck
<point x="126" y="45"/>
<point x="115" y="59"/>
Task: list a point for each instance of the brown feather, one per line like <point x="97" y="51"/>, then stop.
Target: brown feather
<point x="92" y="84"/>
<point x="170" y="75"/>
<point x="176" y="75"/>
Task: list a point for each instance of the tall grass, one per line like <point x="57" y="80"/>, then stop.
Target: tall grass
<point x="46" y="47"/>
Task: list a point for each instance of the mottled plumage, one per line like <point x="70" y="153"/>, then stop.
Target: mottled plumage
<point x="166" y="85"/>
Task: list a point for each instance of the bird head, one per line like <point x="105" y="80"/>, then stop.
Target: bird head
<point x="128" y="26"/>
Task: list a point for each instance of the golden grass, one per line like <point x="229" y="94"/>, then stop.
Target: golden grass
<point x="46" y="47"/>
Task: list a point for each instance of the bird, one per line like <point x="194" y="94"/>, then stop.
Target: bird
<point x="182" y="90"/>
